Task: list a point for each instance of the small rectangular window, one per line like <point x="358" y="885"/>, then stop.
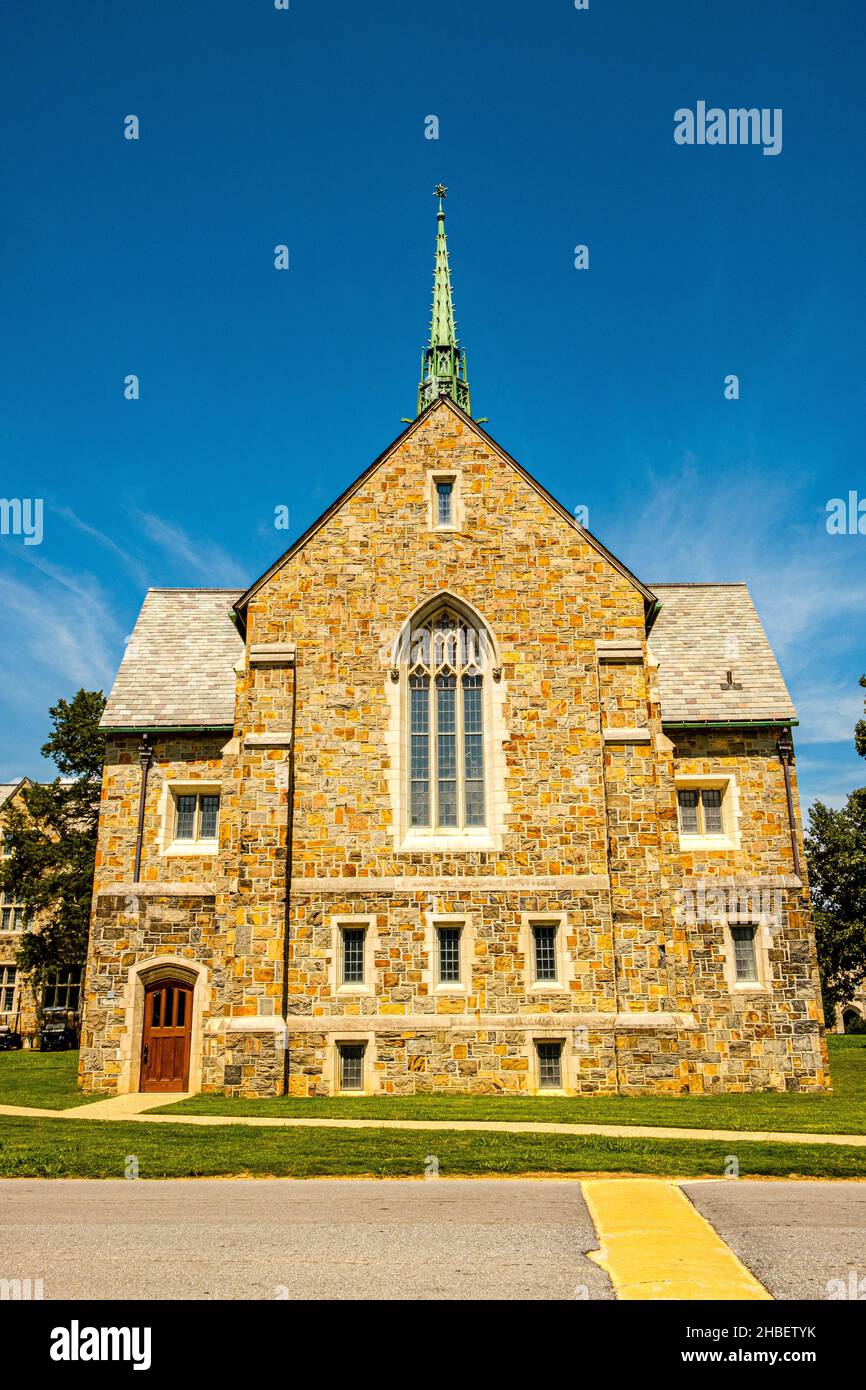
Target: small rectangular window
<point x="745" y="955"/>
<point x="8" y="975"/>
<point x="353" y="955"/>
<point x="63" y="989"/>
<point x="444" y="502"/>
<point x="185" y="829"/>
<point x="196" y="816"/>
<point x="351" y="1057"/>
<point x="448" y="941"/>
<point x="688" y="812"/>
<point x="544" y="950"/>
<point x="549" y="1066"/>
<point x="712" y="803"/>
<point x="208" y="823"/>
<point x="701" y="811"/>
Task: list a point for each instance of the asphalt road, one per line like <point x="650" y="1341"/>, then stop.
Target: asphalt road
<point x="279" y="1238"/>
<point x="795" y="1237"/>
<point x="291" y="1239"/>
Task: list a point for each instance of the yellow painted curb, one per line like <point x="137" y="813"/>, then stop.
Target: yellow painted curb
<point x="655" y="1245"/>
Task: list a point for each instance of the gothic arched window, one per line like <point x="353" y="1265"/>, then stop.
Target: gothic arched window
<point x="446" y="661"/>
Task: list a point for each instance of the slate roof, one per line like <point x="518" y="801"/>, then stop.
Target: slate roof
<point x="702" y="632"/>
<point x="7" y="789"/>
<point x="178" y="667"/>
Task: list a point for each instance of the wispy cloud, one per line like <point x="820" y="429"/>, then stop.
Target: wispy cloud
<point x="131" y="563"/>
<point x="59" y="625"/>
<point x="194" y="559"/>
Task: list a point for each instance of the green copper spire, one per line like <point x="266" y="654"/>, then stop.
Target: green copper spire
<point x="443" y="365"/>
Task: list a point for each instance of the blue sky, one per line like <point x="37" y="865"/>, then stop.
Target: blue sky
<point x="262" y="388"/>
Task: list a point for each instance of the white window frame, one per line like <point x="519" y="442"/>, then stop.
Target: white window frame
<point x="409" y="839"/>
<point x="187" y="848"/>
<point x="430" y="972"/>
<point x="763" y="940"/>
<point x="729" y="838"/>
<point x="565" y="1064"/>
<point x="14" y="908"/>
<point x="444" y="475"/>
<point x="562" y="956"/>
<point x="367" y="923"/>
<point x="5" y="984"/>
<point x="332" y="1071"/>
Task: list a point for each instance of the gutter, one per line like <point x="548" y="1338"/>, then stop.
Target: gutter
<point x="729" y="723"/>
<point x="147" y="729"/>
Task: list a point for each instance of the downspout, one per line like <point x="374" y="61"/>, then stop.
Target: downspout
<point x="785" y="746"/>
<point x="145" y="757"/>
<point x="607" y="859"/>
<point x="290" y="830"/>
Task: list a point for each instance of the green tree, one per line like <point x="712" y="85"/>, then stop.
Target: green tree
<point x="836" y="851"/>
<point x="52" y="840"/>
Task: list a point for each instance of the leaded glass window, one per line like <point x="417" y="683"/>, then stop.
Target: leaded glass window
<point x="549" y="1066"/>
<point x="196" y="817"/>
<point x="8" y="975"/>
<point x="444" y="500"/>
<point x="353" y="955"/>
<point x="544" y="948"/>
<point x="448" y="940"/>
<point x="745" y="955"/>
<point x="351" y="1066"/>
<point x="446" y="724"/>
<point x="701" y="811"/>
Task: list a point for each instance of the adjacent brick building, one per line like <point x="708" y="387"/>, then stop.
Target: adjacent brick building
<point x="449" y="800"/>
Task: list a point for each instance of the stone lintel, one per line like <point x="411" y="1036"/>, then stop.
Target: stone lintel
<point x="619" y="651"/>
<point x="455" y="883"/>
<point x="272" y="654"/>
<point x="247" y="1023"/>
<point x="158" y="890"/>
<point x="641" y="735"/>
<point x="275" y="738"/>
<point x="647" y="1021"/>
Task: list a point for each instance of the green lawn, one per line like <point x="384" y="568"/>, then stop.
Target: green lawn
<point x="47" y="1079"/>
<point x="843" y="1112"/>
<point x="37" y="1148"/>
<point x="43" y="1079"/>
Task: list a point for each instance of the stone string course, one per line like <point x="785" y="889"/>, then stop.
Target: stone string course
<point x="590" y="832"/>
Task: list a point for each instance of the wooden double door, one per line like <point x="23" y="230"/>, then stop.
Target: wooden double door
<point x="165" y="1043"/>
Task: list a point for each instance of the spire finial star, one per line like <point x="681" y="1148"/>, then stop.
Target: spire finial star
<point x="440" y="191"/>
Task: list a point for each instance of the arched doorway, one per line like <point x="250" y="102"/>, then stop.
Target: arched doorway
<point x="167" y="1034"/>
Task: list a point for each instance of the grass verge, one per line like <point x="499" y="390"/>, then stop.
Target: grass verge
<point x="46" y="1080"/>
<point x="44" y="1148"/>
<point x="843" y="1112"/>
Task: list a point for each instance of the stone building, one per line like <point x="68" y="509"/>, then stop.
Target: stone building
<point x="22" y="1001"/>
<point x="449" y="800"/>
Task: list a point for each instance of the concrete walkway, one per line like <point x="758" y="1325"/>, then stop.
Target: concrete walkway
<point x="136" y="1107"/>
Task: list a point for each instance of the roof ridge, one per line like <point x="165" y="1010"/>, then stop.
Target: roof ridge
<point x="698" y="584"/>
<point x="193" y="589"/>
